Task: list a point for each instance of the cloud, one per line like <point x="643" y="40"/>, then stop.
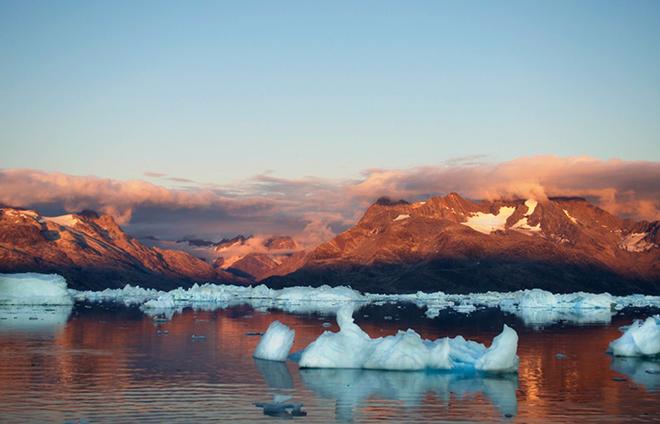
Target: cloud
<point x="625" y="188"/>
<point x="314" y="209"/>
<point x="154" y="174"/>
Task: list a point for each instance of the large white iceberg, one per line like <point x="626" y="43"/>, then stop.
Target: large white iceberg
<point x="642" y="338"/>
<point x="33" y="289"/>
<point x="276" y="343"/>
<point x="353" y="348"/>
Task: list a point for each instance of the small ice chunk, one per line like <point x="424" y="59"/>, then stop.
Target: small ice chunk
<point x="34" y="289"/>
<point x="537" y="298"/>
<point x="276" y="343"/>
<point x="640" y="339"/>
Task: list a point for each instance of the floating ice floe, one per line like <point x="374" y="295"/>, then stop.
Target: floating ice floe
<point x="642" y="338"/>
<point x="294" y="299"/>
<point x="128" y="295"/>
<point x="351" y="347"/>
<point x="276" y="343"/>
<point x="535" y="306"/>
<point x="33" y="289"/>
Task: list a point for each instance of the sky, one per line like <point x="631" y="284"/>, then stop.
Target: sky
<point x="274" y="105"/>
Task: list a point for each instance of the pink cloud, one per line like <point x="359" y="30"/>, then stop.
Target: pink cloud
<point x="314" y="209"/>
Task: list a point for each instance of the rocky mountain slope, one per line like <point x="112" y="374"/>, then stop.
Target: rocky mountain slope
<point x="276" y="255"/>
<point x="457" y="245"/>
<point x="93" y="252"/>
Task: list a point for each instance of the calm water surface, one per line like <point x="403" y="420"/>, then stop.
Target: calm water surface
<point x="103" y="363"/>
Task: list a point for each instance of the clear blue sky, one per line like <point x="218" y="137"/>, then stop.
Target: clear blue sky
<point x="218" y="91"/>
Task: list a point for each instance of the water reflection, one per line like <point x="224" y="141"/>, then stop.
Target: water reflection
<point x="275" y="373"/>
<point x="642" y="371"/>
<point x="539" y="318"/>
<point x="350" y="388"/>
<point x="33" y="319"/>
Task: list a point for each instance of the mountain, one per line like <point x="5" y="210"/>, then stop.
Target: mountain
<point x="258" y="266"/>
<point x="276" y="255"/>
<point x="93" y="252"/>
<point x="452" y="244"/>
<point x="225" y="243"/>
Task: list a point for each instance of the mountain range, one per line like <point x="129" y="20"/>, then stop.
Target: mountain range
<point x="93" y="252"/>
<point x="562" y="244"/>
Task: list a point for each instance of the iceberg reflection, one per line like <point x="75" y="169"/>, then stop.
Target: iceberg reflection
<point x="643" y="371"/>
<point x="275" y="373"/>
<point x="540" y="317"/>
<point x="352" y="387"/>
<point x="33" y="318"/>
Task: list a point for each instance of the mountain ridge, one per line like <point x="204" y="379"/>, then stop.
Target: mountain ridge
<point x="91" y="251"/>
<point x="452" y="244"/>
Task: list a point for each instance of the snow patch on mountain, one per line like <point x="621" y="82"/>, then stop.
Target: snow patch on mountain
<point x="487" y="223"/>
<point x="635" y="243"/>
<point x="573" y="220"/>
<point x="68" y="220"/>
<point x="522" y="223"/>
<point x="401" y="217"/>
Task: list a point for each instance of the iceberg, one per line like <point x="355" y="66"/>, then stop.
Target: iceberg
<point x="642" y="338"/>
<point x="34" y="289"/>
<point x="128" y="295"/>
<point x="348" y="348"/>
<point x="276" y="343"/>
<point x="537" y="298"/>
<point x="501" y="355"/>
<point x="351" y="347"/>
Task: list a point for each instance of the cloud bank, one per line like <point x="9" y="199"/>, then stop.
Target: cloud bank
<point x="314" y="209"/>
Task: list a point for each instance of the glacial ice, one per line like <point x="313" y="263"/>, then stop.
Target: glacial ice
<point x="353" y="348"/>
<point x="642" y="338"/>
<point x="536" y="307"/>
<point x="293" y="299"/>
<point x="276" y="343"/>
<point x="501" y="355"/>
<point x="128" y="295"/>
<point x="33" y="289"/>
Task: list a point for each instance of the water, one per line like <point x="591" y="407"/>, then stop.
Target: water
<point x="102" y="363"/>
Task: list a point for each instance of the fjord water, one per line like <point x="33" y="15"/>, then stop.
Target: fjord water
<point x="105" y="363"/>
